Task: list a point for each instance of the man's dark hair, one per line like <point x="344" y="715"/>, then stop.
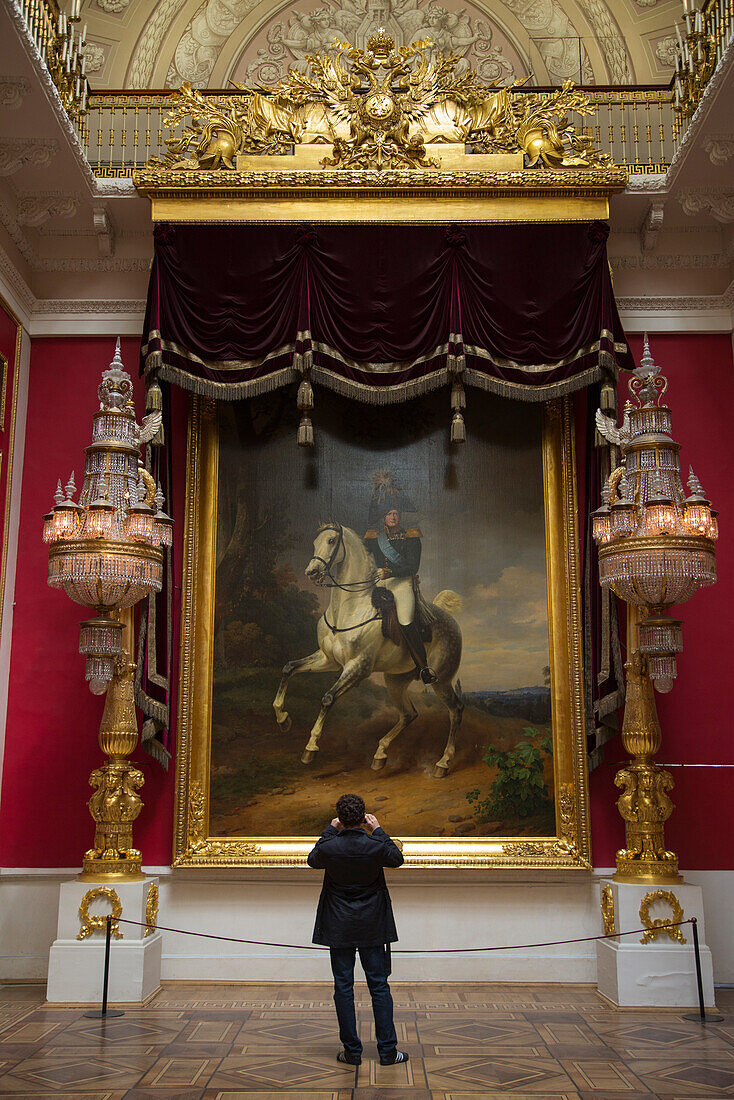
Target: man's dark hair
<point x="350" y="810"/>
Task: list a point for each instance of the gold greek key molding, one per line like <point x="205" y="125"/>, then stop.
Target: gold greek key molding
<point x="657" y="928"/>
<point x="95" y="922"/>
<point x="607" y="910"/>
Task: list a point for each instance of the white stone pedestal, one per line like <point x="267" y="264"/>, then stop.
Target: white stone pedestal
<point x="661" y="973"/>
<point x="76" y="967"/>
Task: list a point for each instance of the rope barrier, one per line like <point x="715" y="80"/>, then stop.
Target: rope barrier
<point x="662" y="926"/>
<point x="409" y="950"/>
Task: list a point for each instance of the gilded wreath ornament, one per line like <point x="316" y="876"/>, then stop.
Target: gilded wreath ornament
<point x="664" y="925"/>
<point x="379" y="108"/>
<point x="96" y="922"/>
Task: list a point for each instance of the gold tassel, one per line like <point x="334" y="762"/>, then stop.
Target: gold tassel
<point x="305" y="432"/>
<point x="153" y="398"/>
<point x="458" y="428"/>
<point x="458" y="402"/>
<point x="458" y="396"/>
<point x="305" y="396"/>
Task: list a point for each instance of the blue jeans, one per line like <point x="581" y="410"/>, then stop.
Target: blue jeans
<point x="374" y="966"/>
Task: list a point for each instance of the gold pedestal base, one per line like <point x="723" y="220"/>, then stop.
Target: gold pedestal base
<point x="120" y="867"/>
<point x="644" y="803"/>
<point x="652" y="872"/>
<point x="116" y="803"/>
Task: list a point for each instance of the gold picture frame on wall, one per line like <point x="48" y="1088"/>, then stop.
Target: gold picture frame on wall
<point x="567" y="846"/>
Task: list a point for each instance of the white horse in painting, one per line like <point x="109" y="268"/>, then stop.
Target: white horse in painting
<point x="351" y="640"/>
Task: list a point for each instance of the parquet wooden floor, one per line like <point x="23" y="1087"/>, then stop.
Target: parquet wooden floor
<point x="251" y="1042"/>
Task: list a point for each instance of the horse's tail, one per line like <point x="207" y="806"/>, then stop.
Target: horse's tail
<point x="448" y="601"/>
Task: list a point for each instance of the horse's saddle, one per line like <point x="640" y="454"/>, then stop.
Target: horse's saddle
<point x="383" y="602"/>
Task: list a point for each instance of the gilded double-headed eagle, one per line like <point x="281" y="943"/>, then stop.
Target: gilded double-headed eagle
<point x="378" y="108"/>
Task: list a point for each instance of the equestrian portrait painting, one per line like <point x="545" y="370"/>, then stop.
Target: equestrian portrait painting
<point x="380" y="622"/>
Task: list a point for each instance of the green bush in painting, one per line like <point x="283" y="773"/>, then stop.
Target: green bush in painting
<point x="519" y="789"/>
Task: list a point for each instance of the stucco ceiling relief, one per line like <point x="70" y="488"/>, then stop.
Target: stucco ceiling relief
<point x="720" y="148"/>
<point x="34" y="210"/>
<point x="13" y="91"/>
<point x="718" y="203"/>
<point x="287" y="41"/>
<point x="33" y="152"/>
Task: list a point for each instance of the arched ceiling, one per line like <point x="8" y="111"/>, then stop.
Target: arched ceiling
<point x="146" y="44"/>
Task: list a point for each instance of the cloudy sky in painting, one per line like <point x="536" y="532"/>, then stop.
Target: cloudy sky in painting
<point x="479" y="507"/>
<point x="505" y="629"/>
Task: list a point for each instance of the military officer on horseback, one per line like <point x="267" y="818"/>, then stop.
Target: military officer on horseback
<point x="397" y="554"/>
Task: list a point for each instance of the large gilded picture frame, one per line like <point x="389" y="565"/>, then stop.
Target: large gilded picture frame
<point x="568" y="846"/>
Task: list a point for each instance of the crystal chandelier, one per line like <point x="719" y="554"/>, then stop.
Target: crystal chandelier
<point x="657" y="547"/>
<point x="656" y="544"/>
<point x="106" y="551"/>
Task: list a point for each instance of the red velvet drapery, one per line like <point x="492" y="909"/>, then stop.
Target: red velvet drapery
<point x="386" y="311"/>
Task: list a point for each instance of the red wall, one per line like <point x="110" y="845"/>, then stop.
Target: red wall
<point x="53" y="719"/>
<point x="51" y="742"/>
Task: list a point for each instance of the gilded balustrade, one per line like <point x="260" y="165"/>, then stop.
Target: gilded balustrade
<point x="636" y="126"/>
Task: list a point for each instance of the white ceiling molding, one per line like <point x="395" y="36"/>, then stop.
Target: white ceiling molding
<point x="671" y="262"/>
<point x="701" y="313"/>
<point x="68" y="316"/>
<point x="105" y="231"/>
<point x="652" y="225"/>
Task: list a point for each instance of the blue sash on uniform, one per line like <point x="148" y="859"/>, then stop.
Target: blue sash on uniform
<point x="389" y="551"/>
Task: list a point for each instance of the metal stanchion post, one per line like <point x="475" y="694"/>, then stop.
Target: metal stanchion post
<point x="701" y="1014"/>
<point x="104" y="1012"/>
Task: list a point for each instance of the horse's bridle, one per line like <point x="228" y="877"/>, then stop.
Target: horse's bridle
<point x="339" y="544"/>
<point x="350" y="586"/>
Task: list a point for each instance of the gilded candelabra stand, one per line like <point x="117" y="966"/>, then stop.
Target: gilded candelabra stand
<point x="656" y="548"/>
<point x="695" y="61"/>
<point x="63" y="50"/>
<point x="106" y="552"/>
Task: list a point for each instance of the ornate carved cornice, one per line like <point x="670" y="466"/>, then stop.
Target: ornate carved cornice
<point x="394" y="195"/>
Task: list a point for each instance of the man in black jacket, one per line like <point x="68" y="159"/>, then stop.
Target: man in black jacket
<point x="355" y="914"/>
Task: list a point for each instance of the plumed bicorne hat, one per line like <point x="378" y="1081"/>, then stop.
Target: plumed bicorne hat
<point x="386" y="495"/>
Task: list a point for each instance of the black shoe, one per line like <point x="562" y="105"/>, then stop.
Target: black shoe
<point x="398" y="1056"/>
<point x="344" y="1058"/>
<point x="428" y="676"/>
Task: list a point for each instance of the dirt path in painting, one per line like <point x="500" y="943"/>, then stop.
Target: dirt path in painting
<point x="268" y="792"/>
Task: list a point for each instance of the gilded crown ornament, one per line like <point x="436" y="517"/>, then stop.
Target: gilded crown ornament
<point x="657" y="547"/>
<point x="106" y="552"/>
<point x="378" y="108"/>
